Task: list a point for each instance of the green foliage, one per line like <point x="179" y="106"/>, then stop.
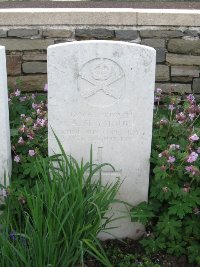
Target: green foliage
<point x="172" y="216"/>
<point x="28" y="123"/>
<point x="120" y="258"/>
<point x="62" y="215"/>
<point x="142" y="212"/>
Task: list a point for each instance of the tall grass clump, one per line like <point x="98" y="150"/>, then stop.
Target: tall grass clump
<point x="60" y="217"/>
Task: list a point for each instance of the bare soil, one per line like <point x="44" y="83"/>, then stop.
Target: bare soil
<point x="130" y="246"/>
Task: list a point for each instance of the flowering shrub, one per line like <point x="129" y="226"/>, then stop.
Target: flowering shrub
<point x="172" y="216"/>
<point x="28" y="122"/>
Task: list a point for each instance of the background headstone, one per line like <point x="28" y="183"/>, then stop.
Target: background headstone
<point x="101" y="93"/>
<point x="5" y="148"/>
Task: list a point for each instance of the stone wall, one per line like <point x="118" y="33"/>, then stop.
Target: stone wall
<point x="178" y="51"/>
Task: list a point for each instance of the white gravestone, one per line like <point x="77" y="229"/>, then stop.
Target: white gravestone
<point x="5" y="148"/>
<point x="101" y="93"/>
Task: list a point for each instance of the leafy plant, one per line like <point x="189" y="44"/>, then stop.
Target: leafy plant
<point x="172" y="215"/>
<point x="28" y="123"/>
<point x="62" y="215"/>
<point x="120" y="258"/>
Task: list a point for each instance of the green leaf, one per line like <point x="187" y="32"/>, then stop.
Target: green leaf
<point x="192" y="226"/>
<point x="179" y="208"/>
<point x="170" y="227"/>
<point x="177" y="248"/>
<point x="142" y="213"/>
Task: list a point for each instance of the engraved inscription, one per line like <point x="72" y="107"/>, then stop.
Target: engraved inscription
<point x="101" y="82"/>
<point x="110" y="127"/>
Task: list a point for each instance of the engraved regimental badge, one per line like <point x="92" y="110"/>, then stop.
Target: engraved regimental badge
<point x="101" y="82"/>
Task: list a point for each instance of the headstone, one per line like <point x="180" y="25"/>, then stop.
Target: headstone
<point x="5" y="148"/>
<point x="101" y="93"/>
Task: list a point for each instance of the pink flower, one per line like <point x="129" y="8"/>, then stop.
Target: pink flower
<point x="163" y="122"/>
<point x="30" y="136"/>
<point x="157" y="98"/>
<point x="191" y="169"/>
<point x="22" y="129"/>
<point x="191" y="98"/>
<point x="17" y="158"/>
<point x="171" y="107"/>
<point x="191" y="116"/>
<point x="41" y="122"/>
<point x="38" y="111"/>
<point x="34" y="106"/>
<point x="33" y="96"/>
<point x="194" y="137"/>
<point x="186" y="189"/>
<point x="192" y="157"/>
<point x="21" y="141"/>
<point x="31" y="153"/>
<point x="188" y="168"/>
<point x="165" y="189"/>
<point x="180" y="117"/>
<point x="198" y="150"/>
<point x="173" y="146"/>
<point x="17" y="93"/>
<point x="46" y="87"/>
<point x="158" y="90"/>
<point x="171" y="159"/>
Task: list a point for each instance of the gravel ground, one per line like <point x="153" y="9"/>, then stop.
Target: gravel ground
<point x="94" y="4"/>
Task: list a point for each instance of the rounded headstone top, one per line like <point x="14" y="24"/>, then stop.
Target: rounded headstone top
<point x="96" y="42"/>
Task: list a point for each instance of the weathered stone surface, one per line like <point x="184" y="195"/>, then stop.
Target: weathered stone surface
<point x="13" y="63"/>
<point x="192" y="33"/>
<point x="160" y="55"/>
<point x="34" y="56"/>
<point x="126" y="35"/>
<point x="197" y="97"/>
<point x="29" y="82"/>
<point x="196" y="85"/>
<point x="5" y="147"/>
<point x="70" y="16"/>
<point x="182" y="46"/>
<point x="184" y="79"/>
<point x="160" y="17"/>
<point x="22" y="32"/>
<point x="59" y="41"/>
<point x="190" y="71"/>
<point x="34" y="67"/>
<point x="162" y="73"/>
<point x="3" y="33"/>
<point x="94" y="33"/>
<point x="176" y="59"/>
<point x="160" y="33"/>
<point x="51" y="33"/>
<point x="25" y="44"/>
<point x="174" y="87"/>
<point x="155" y="43"/>
<point x="91" y="101"/>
